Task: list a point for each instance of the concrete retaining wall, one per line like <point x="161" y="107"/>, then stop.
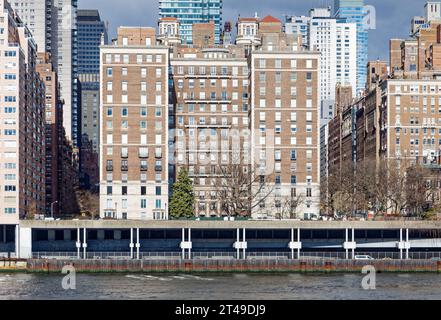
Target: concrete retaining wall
<point x="306" y="266"/>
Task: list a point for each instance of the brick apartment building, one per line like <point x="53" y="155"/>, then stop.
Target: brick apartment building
<point x="264" y="88"/>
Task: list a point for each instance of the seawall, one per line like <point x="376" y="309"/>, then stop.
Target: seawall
<point x="195" y="266"/>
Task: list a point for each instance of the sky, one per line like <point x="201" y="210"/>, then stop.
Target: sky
<point x="393" y="16"/>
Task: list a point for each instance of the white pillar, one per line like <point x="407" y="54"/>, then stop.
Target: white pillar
<point x="298" y="240"/>
<point x="407" y="246"/>
<point x="401" y="241"/>
<point x="353" y="241"/>
<point x="131" y="243"/>
<point x="78" y="243"/>
<point x="189" y="241"/>
<point x="23" y="242"/>
<point x="84" y="243"/>
<point x="237" y="247"/>
<point x="183" y="240"/>
<point x="17" y="241"/>
<point x="292" y="240"/>
<point x="138" y="245"/>
<point x="244" y="241"/>
<point x="347" y="239"/>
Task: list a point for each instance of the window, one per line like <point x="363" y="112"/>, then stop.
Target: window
<point x="109" y="72"/>
<point x="293" y="180"/>
<point x="293" y="155"/>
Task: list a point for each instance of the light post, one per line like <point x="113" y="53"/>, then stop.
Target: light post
<point x="52" y="208"/>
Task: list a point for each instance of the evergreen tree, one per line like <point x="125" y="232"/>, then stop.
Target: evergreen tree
<point x="183" y="199"/>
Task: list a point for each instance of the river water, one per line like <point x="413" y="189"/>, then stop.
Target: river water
<point x="220" y="286"/>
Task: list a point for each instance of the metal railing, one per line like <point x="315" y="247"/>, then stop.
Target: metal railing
<point x="174" y="255"/>
<point x="159" y="255"/>
<point x="6" y="255"/>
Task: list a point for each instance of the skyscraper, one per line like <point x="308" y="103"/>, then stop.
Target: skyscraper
<point x="22" y="139"/>
<point x="134" y="121"/>
<point x="356" y="11"/>
<point x="336" y="40"/>
<point x="91" y="31"/>
<point x="53" y="25"/>
<point x="189" y="12"/>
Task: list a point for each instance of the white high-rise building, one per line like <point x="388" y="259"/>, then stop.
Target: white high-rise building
<point x="54" y="27"/>
<point x="336" y="40"/>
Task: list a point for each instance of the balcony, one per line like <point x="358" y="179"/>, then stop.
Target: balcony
<point x="223" y="100"/>
<point x="209" y="76"/>
<point x="143" y="167"/>
<point x="124" y="168"/>
<point x="158" y="168"/>
<point x="109" y="167"/>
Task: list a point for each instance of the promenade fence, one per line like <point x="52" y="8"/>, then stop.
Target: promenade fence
<point x="233" y="255"/>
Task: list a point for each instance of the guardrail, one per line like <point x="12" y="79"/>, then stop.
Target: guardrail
<point x="232" y="255"/>
<point x="7" y="255"/>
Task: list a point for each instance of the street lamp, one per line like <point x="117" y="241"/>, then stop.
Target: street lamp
<point x="52" y="208"/>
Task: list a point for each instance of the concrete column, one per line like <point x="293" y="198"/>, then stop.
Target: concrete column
<point x="237" y="247"/>
<point x="245" y="241"/>
<point x="408" y="244"/>
<point x="241" y="244"/>
<point x="350" y="245"/>
<point x="346" y="241"/>
<point x="295" y="245"/>
<point x="401" y="247"/>
<point x="23" y="242"/>
<point x="66" y="235"/>
<point x="292" y="241"/>
<point x="131" y="243"/>
<point x="190" y="244"/>
<point x="186" y="245"/>
<point x="84" y="243"/>
<point x="183" y="240"/>
<point x="404" y="245"/>
<point x="78" y="243"/>
<point x="138" y="245"/>
<point x="100" y="235"/>
<point x="51" y="235"/>
<point x="116" y="234"/>
<point x="354" y="243"/>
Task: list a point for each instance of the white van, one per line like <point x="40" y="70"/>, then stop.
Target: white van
<point x="363" y="257"/>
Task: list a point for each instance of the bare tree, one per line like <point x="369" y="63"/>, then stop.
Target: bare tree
<point x="287" y="207"/>
<point x="88" y="203"/>
<point x="241" y="187"/>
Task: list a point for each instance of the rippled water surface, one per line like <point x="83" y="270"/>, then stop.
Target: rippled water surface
<point x="220" y="286"/>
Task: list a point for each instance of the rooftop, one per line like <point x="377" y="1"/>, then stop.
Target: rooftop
<point x="270" y="19"/>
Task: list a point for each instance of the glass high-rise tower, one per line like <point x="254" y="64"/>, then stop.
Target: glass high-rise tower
<point x="189" y="12"/>
<point x="356" y="11"/>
